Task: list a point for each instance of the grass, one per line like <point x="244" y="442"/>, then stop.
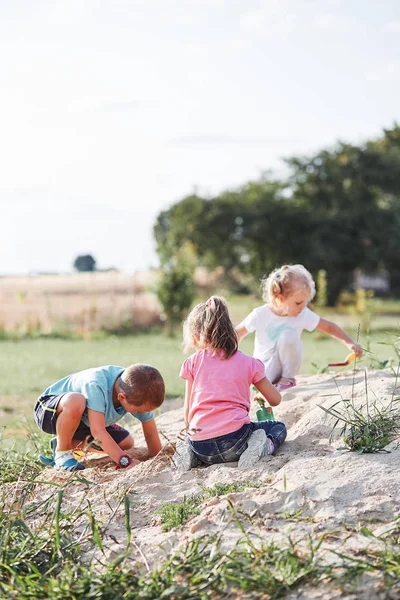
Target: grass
<point x="32" y="364"/>
<point x="199" y="571"/>
<point x="175" y="514"/>
<point x="366" y="427"/>
<point x="45" y="562"/>
<point x="47" y="550"/>
<point x="76" y="304"/>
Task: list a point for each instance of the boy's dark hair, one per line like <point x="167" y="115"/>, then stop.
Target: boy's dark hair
<point x="142" y="383"/>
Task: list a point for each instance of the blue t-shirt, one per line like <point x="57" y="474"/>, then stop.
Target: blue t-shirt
<point x="97" y="387"/>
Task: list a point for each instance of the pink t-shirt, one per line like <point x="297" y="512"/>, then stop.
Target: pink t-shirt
<point x="220" y="399"/>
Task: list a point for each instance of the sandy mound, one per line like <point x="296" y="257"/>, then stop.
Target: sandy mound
<point x="309" y="487"/>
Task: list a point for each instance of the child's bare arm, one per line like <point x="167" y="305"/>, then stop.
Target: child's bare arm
<point x="241" y="332"/>
<point x="188" y="394"/>
<point x="270" y="393"/>
<point x="151" y="436"/>
<point x="338" y="333"/>
<point x="98" y="430"/>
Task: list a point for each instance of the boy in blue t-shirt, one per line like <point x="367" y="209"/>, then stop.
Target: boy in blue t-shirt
<point x="86" y="405"/>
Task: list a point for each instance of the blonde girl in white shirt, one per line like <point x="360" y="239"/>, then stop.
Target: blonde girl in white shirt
<point x="279" y="323"/>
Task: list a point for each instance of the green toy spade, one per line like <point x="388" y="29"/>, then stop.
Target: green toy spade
<point x="264" y="413"/>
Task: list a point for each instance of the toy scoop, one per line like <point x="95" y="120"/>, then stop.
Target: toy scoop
<point x="349" y="359"/>
<point x="264" y="413"/>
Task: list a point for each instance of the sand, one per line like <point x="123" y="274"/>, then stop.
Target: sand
<point x="310" y="487"/>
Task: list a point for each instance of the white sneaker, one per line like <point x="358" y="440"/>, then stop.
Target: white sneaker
<point x="258" y="445"/>
<point x="184" y="457"/>
<point x="67" y="462"/>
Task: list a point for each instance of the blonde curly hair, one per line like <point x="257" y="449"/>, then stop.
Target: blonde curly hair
<point x="285" y="281"/>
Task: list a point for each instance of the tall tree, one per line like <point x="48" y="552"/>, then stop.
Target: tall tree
<point x="337" y="210"/>
<point x="176" y="288"/>
<point x="352" y="195"/>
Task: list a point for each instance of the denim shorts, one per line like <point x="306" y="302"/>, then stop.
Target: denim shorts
<point x="229" y="447"/>
<point x="46" y="419"/>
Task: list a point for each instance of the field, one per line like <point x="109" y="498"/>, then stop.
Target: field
<point x="77" y="304"/>
<point x="315" y="523"/>
<point x="37" y="351"/>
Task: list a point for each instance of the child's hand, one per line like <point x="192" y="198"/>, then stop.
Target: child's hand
<point x="134" y="462"/>
<point x="267" y="392"/>
<point x="356" y="348"/>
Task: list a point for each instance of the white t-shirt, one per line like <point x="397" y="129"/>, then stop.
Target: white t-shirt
<point x="269" y="326"/>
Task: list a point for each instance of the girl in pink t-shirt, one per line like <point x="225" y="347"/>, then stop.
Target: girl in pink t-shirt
<point x="217" y="397"/>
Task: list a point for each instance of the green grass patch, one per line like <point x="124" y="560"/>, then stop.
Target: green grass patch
<point x="366" y="427"/>
<point x="204" y="570"/>
<point x="175" y="514"/>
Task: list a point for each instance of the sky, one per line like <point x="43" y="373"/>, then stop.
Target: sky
<point x="112" y="111"/>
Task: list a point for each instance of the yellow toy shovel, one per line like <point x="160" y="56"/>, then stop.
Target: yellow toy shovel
<point x="349" y="359"/>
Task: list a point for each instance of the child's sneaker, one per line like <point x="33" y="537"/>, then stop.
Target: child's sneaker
<point x="258" y="445"/>
<point x="64" y="461"/>
<point x="184" y="457"/>
<point x="46" y="460"/>
<point x="67" y="462"/>
<point x="285" y="386"/>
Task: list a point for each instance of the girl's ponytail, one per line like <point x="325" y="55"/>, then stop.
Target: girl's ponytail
<point x="209" y="326"/>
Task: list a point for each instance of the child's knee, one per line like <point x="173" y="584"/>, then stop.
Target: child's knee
<point x="73" y="403"/>
<point x="280" y="432"/>
<point x="127" y="443"/>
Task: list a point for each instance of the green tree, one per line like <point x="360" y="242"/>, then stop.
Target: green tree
<point x="176" y="289"/>
<point x="352" y="196"/>
<point x="85" y="262"/>
<point x="183" y="222"/>
<point x="337" y="210"/>
<point x="237" y="230"/>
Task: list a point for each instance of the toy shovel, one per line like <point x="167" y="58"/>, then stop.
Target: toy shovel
<point x="264" y="413"/>
<point x="349" y="359"/>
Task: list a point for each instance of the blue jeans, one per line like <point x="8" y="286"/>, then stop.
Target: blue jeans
<point x="228" y="448"/>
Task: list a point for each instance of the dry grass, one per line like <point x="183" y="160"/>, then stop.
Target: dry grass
<point x="82" y="303"/>
<point x="79" y="303"/>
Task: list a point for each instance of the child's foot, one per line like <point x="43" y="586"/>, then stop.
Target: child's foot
<point x="46" y="460"/>
<point x="62" y="461"/>
<point x="258" y="445"/>
<point x="285" y="383"/>
<point x="49" y="462"/>
<point x="184" y="457"/>
<point x="67" y="462"/>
